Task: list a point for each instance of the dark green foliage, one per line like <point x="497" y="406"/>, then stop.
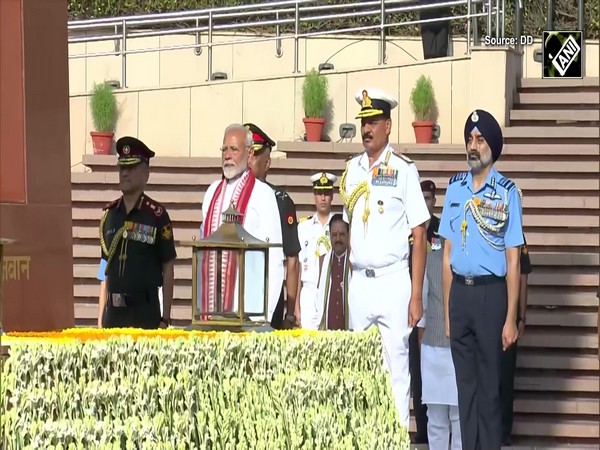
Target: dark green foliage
<point x="565" y="16"/>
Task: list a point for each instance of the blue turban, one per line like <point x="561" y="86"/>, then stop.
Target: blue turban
<point x="489" y="129"/>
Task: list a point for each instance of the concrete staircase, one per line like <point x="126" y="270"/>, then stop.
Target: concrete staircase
<point x="551" y="152"/>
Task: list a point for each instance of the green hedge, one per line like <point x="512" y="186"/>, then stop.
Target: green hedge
<point x="265" y="390"/>
<point x="534" y="20"/>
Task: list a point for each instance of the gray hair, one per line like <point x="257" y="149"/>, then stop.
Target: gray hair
<point x="238" y="127"/>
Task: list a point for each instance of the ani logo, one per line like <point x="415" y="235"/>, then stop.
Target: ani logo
<point x="563" y="56"/>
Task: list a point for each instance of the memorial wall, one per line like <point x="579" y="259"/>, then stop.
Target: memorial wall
<point x="35" y="190"/>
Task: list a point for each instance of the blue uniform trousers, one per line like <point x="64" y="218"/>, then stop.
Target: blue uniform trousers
<point x="477" y="315"/>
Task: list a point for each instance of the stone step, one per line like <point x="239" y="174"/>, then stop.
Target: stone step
<point x="306" y="199"/>
<point x="320" y="150"/>
<point x="534" y="338"/>
<point x="558" y="98"/>
<point x="554" y="427"/>
<point x="542" y="277"/>
<point x="558" y="115"/>
<point x="557" y="382"/>
<point x="555" y="360"/>
<point x="185" y="183"/>
<point x="559" y="83"/>
<point x="190" y="212"/>
<point x="552" y="132"/>
<point x="307" y="166"/>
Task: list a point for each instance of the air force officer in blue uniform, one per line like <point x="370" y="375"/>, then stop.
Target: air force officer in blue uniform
<point x="481" y="222"/>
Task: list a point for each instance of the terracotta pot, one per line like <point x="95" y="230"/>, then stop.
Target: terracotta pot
<point x="423" y="131"/>
<point x="102" y="142"/>
<point x="314" y="129"/>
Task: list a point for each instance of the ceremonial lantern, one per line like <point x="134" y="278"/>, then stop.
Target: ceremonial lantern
<point x="230" y="277"/>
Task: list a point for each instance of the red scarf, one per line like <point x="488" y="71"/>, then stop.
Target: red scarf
<point x="240" y="198"/>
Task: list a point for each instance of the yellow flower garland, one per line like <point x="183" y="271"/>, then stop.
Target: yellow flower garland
<point x="101" y="334"/>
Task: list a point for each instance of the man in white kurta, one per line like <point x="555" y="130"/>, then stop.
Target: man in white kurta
<point x="383" y="204"/>
<point x="334" y="278"/>
<point x="313" y="234"/>
<point x="258" y="205"/>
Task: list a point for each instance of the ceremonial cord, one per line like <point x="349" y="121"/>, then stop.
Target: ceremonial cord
<point x="110" y="253"/>
<point x="474" y="206"/>
<point x="350" y="201"/>
<point x="325" y="241"/>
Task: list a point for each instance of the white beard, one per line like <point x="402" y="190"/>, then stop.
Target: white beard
<point x="477" y="165"/>
<point x="231" y="172"/>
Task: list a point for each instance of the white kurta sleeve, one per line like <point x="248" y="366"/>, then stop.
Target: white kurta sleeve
<point x="425" y="298"/>
<point x="271" y="223"/>
<point x="416" y="208"/>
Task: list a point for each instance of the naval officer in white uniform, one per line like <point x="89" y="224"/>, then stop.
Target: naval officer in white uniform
<point x="384" y="204"/>
<point x="315" y="241"/>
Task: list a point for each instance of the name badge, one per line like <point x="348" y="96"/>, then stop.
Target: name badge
<point x="435" y="244"/>
<point x="385" y="177"/>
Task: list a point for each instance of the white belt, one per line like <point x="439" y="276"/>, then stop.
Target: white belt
<point x="381" y="271"/>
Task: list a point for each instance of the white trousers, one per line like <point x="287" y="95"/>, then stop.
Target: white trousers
<point x="383" y="301"/>
<point x="308" y="307"/>
<point x="442" y="420"/>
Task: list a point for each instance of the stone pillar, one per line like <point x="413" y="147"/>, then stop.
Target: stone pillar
<point x="35" y="175"/>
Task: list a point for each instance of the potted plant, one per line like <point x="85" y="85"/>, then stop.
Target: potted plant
<point x="314" y="99"/>
<point x="103" y="106"/>
<point x="422" y="103"/>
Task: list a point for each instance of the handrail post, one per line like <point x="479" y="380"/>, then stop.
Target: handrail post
<point x="198" y="50"/>
<point x="550" y="18"/>
<point x="518" y="22"/>
<point x="475" y="25"/>
<point x="489" y="18"/>
<point x="497" y="19"/>
<point x="382" y="56"/>
<point x="124" y="56"/>
<point x="581" y="16"/>
<point x="469" y="19"/>
<point x="503" y="23"/>
<point x="210" y="49"/>
<point x="296" y="41"/>
<point x="278" y="51"/>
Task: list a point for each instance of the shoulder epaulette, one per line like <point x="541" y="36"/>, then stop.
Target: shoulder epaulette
<point x="402" y="156"/>
<point x="111" y="205"/>
<point x="304" y="219"/>
<point x="506" y="184"/>
<point x="457" y="177"/>
<point x="152" y="205"/>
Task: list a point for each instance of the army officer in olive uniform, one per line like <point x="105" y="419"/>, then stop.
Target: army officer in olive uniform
<point x="137" y="242"/>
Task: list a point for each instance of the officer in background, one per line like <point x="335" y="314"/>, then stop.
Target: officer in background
<point x="481" y="222"/>
<point x="260" y="163"/>
<point x="509" y="364"/>
<point x="383" y="204"/>
<point x="433" y="244"/>
<point x="315" y="241"/>
<point x="136" y="238"/>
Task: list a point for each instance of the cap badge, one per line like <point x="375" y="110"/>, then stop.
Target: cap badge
<point x="126" y="150"/>
<point x="366" y="100"/>
<point x="323" y="179"/>
<point x="474" y="117"/>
